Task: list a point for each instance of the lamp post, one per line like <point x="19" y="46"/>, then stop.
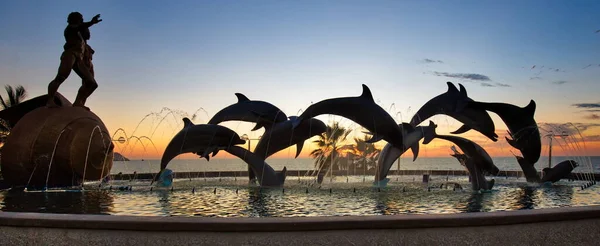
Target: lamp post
<point x="551" y="137"/>
<point x="251" y="174"/>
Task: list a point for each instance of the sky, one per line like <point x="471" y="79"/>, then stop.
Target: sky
<point x="190" y="57"/>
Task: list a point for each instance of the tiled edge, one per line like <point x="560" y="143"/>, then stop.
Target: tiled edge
<point x="157" y="223"/>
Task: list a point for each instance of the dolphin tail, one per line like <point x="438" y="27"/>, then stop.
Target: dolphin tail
<point x="299" y="148"/>
<point x="374" y="139"/>
<point x="462" y="129"/>
<point x="415" y="149"/>
<point x="257" y="126"/>
<point x="282" y="175"/>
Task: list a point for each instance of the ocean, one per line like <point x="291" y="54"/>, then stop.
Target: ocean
<point x="586" y="164"/>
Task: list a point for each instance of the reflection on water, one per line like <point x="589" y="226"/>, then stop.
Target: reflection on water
<point x="229" y="198"/>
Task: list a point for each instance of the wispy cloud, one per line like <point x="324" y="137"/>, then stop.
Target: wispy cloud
<point x="469" y="76"/>
<point x="535" y="78"/>
<point x="560" y="82"/>
<point x="503" y="85"/>
<point x="427" y="60"/>
<point x="592" y="117"/>
<point x="586" y="105"/>
<point x="485" y="84"/>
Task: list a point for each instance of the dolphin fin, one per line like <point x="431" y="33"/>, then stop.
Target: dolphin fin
<point x="374" y="139"/>
<point x="452" y="88"/>
<point x="366" y="94"/>
<point x="415" y="149"/>
<point x="463" y="91"/>
<point x="512" y="143"/>
<point x="207" y="157"/>
<point x="462" y="129"/>
<point x="257" y="126"/>
<point x="368" y="133"/>
<point x="215" y="152"/>
<point x="430" y="135"/>
<point x="299" y="148"/>
<point x="187" y="122"/>
<point x="530" y="108"/>
<point x="241" y="97"/>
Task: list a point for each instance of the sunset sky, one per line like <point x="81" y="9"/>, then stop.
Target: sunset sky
<point x="191" y="55"/>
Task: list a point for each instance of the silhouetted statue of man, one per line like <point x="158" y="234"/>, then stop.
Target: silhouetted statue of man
<point x="77" y="56"/>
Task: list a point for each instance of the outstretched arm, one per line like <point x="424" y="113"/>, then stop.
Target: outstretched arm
<point x="94" y="20"/>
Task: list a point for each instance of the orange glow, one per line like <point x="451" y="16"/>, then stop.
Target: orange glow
<point x="437" y="148"/>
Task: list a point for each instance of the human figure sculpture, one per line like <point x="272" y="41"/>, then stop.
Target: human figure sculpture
<point x="77" y="56"/>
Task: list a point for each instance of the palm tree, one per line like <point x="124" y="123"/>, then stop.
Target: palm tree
<point x="329" y="148"/>
<point x="364" y="154"/>
<point x="15" y="96"/>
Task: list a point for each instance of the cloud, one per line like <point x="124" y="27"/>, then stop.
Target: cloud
<point x="535" y="78"/>
<point x="592" y="117"/>
<point x="427" y="60"/>
<point x="560" y="82"/>
<point x="586" y="105"/>
<point x="470" y="76"/>
<point x="487" y="85"/>
<point x="503" y="85"/>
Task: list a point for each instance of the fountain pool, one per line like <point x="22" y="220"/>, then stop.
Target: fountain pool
<point x="227" y="197"/>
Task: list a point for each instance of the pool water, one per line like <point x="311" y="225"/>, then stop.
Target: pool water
<point x="229" y="197"/>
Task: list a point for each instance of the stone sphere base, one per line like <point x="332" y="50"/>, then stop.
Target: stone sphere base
<point x="57" y="147"/>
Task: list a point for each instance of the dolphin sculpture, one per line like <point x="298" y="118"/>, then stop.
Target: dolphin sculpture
<point x="283" y="135"/>
<point x="389" y="154"/>
<point x="364" y="111"/>
<point x="201" y="139"/>
<point x="476" y="174"/>
<point x="558" y="172"/>
<point x="521" y="127"/>
<point x="454" y="103"/>
<point x="262" y="113"/>
<point x="265" y="174"/>
<point x="472" y="150"/>
<point x="531" y="175"/>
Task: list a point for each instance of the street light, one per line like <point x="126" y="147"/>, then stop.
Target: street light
<point x="551" y="137"/>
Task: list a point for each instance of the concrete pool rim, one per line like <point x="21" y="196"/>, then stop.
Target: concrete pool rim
<point x="283" y="224"/>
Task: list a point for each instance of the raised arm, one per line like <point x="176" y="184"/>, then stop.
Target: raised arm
<point x="94" y="20"/>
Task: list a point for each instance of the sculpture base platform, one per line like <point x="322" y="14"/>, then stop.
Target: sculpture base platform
<point x="56" y="147"/>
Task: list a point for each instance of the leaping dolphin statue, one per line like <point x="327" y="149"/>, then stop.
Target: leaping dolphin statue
<point x="265" y="174"/>
<point x="478" y="181"/>
<point x="454" y="103"/>
<point x="558" y="172"/>
<point x="389" y="154"/>
<point x="472" y="150"/>
<point x="364" y="111"/>
<point x="521" y="127"/>
<point x="531" y="175"/>
<point x="283" y="135"/>
<point x="262" y="113"/>
<point x="203" y="140"/>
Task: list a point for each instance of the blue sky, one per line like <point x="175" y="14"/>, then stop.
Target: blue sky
<point x="191" y="54"/>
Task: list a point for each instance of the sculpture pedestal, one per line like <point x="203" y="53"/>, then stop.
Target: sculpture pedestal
<point x="57" y="147"/>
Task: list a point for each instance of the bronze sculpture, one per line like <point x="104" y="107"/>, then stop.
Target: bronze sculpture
<point x="77" y="56"/>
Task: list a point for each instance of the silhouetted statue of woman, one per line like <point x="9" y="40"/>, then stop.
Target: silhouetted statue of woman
<point x="77" y="56"/>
